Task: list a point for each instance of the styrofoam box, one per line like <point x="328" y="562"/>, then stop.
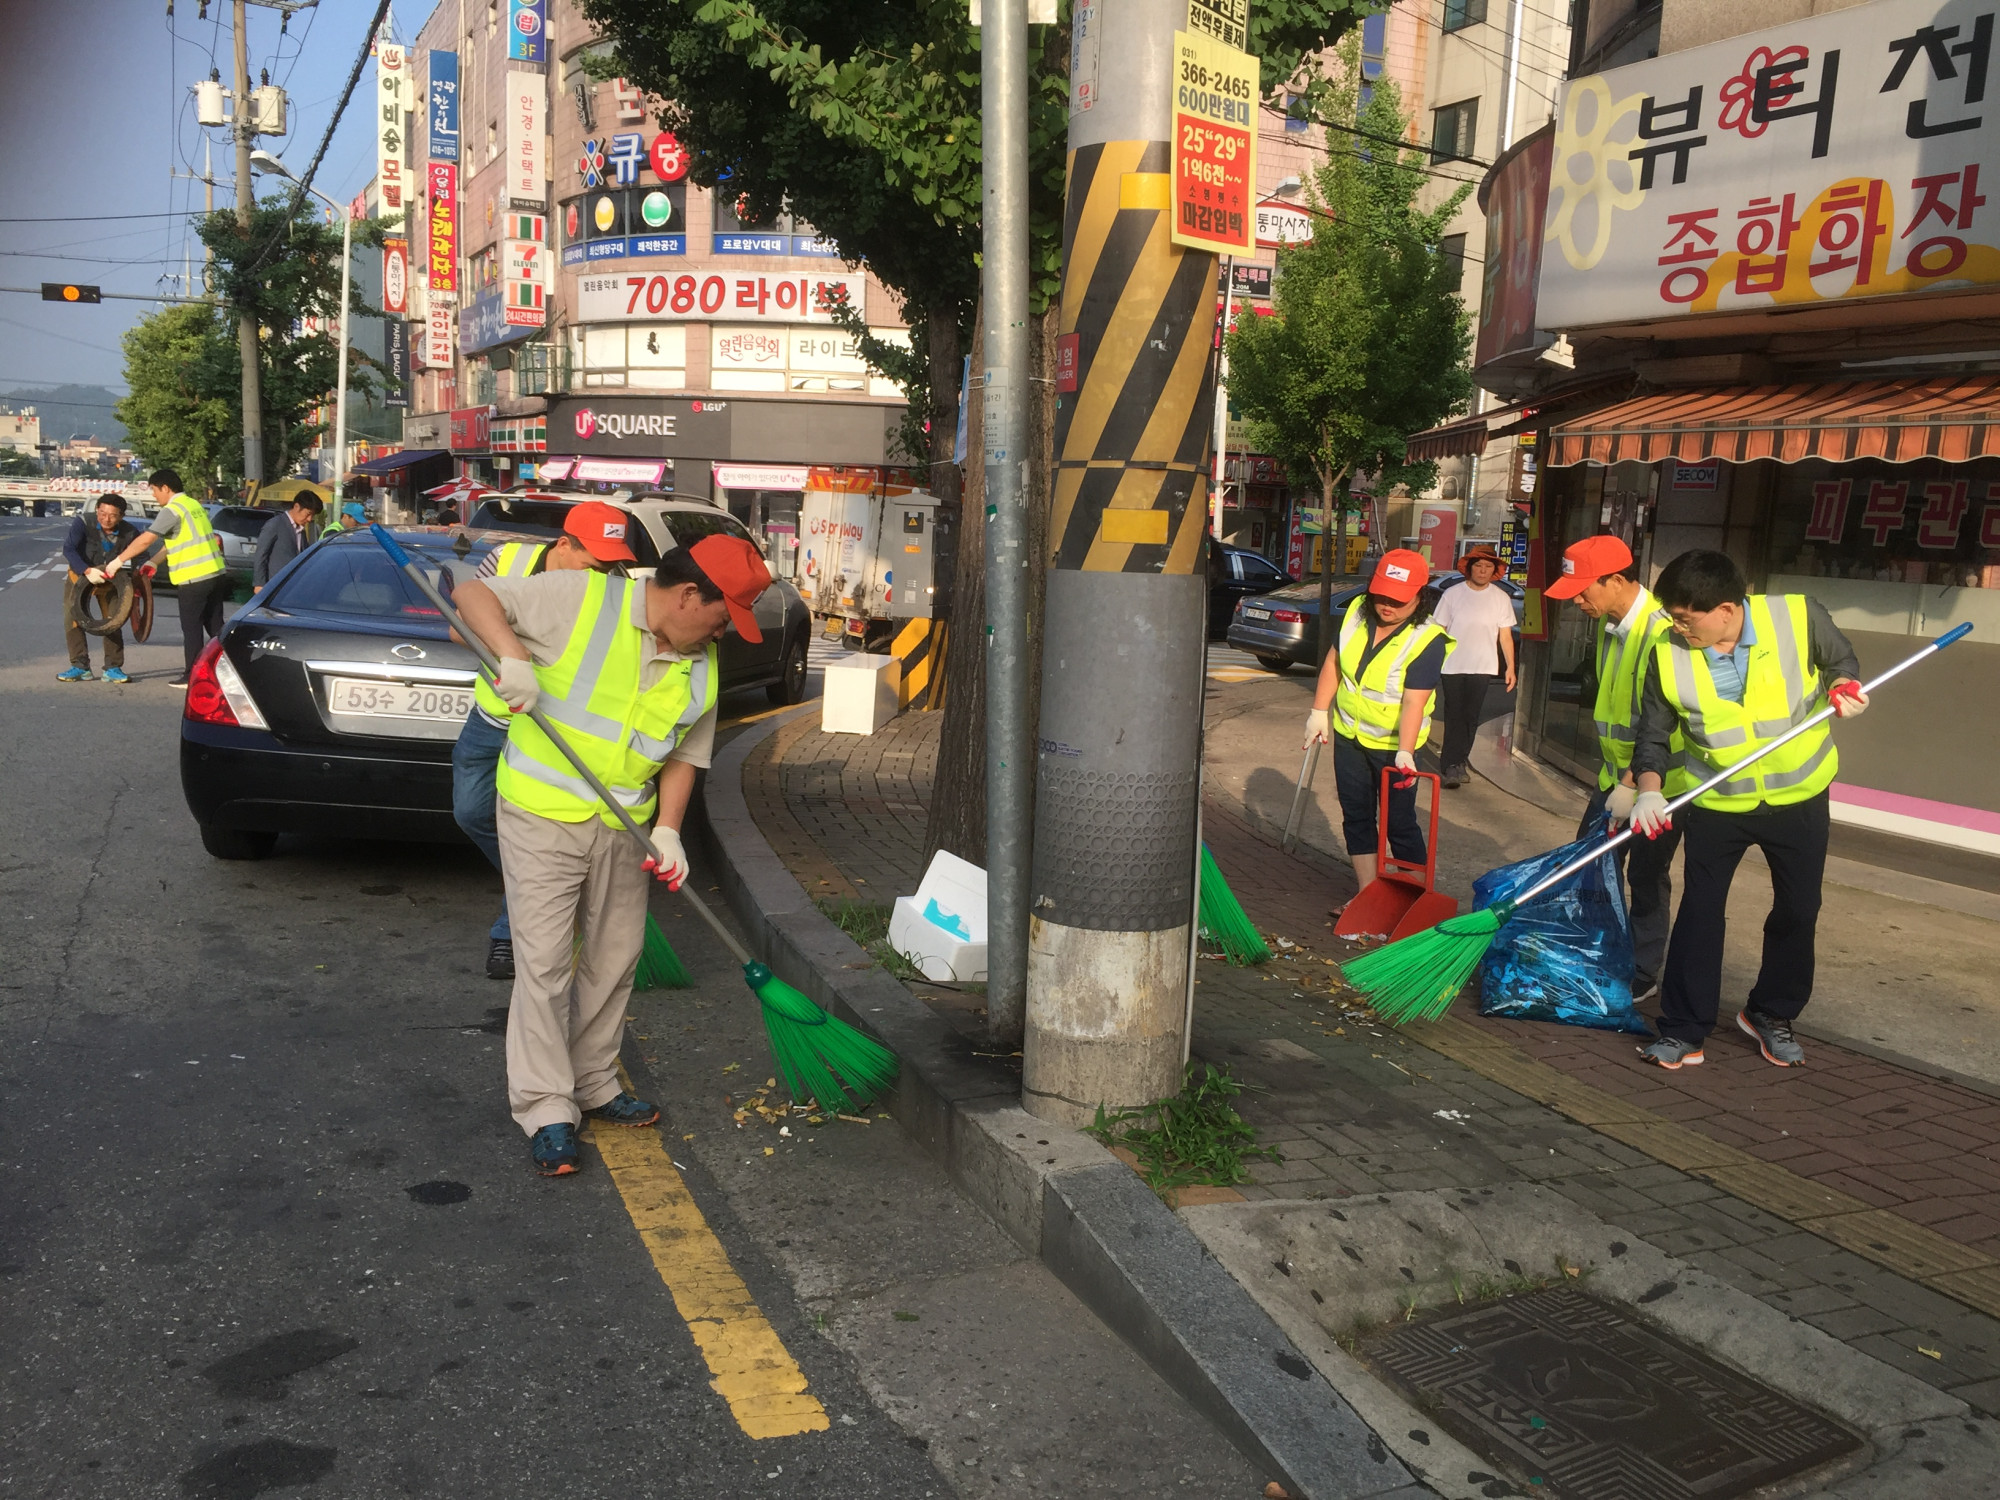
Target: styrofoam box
<point x="952" y="953"/>
<point x="862" y="693"/>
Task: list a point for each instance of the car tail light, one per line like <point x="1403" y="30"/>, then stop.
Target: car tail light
<point x="216" y="694"/>
<point x="1287" y="617"/>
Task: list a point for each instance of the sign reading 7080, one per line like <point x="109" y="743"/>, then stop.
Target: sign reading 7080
<point x="1214" y="145"/>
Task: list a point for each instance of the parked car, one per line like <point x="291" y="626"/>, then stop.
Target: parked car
<point x="778" y="664"/>
<point x="237" y="527"/>
<point x="332" y="701"/>
<point x="1234" y="573"/>
<point x="1281" y="628"/>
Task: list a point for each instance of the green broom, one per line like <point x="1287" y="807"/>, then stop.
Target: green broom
<point x="1223" y="918"/>
<point x="660" y="968"/>
<point x="1416" y="978"/>
<point x="822" y="1058"/>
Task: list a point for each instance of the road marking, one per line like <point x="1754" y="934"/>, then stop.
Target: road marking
<point x="754" y="1373"/>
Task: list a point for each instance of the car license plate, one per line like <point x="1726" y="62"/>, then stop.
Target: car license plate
<point x="1256" y="614"/>
<point x="397" y="700"/>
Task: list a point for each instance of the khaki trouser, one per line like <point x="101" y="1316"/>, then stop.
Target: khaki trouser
<point x="79" y="643"/>
<point x="567" y="1012"/>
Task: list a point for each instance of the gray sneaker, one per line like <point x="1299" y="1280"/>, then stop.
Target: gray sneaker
<point x="1773" y="1037"/>
<point x="1671" y="1052"/>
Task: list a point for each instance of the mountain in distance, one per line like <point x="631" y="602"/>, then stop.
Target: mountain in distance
<point x="69" y="409"/>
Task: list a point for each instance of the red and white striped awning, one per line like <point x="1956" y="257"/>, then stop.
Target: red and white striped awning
<point x="1952" y="418"/>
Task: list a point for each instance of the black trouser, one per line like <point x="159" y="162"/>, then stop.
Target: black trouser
<point x="1648" y="866"/>
<point x="1461" y="701"/>
<point x="1793" y="838"/>
<point x="201" y="614"/>
<point x="1357" y="776"/>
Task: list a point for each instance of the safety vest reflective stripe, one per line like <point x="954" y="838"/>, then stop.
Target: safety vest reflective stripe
<point x="192" y="552"/>
<point x="520" y="761"/>
<point x="1369" y="703"/>
<point x="1622" y="661"/>
<point x="514" y="560"/>
<point x="1778" y="695"/>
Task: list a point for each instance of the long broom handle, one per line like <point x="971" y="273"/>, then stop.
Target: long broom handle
<point x="1306" y="769"/>
<point x="491" y="665"/>
<point x="1956" y="633"/>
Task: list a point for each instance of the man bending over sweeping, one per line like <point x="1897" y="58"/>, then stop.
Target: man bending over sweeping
<point x="627" y="668"/>
<point x="1736" y="671"/>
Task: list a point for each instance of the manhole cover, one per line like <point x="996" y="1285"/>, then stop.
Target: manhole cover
<point x="1598" y="1406"/>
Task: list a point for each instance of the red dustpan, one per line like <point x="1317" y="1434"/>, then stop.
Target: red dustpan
<point x="1403" y="897"/>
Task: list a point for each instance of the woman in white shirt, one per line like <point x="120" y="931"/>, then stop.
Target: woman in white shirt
<point x="1479" y="615"/>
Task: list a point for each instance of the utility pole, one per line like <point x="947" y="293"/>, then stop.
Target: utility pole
<point x="1220" y="484"/>
<point x="1010" y="786"/>
<point x="243" y="126"/>
<point x="1120" y="729"/>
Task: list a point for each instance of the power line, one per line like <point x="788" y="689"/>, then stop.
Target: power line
<point x="101" y="218"/>
<point x="347" y="93"/>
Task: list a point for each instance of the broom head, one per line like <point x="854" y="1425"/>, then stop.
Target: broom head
<point x="1223" y="918"/>
<point x="1417" y="977"/>
<point x="660" y="968"/>
<point x="821" y="1057"/>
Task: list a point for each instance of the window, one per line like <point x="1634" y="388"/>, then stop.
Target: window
<point x="1454" y="130"/>
<point x="360" y="579"/>
<point x="1459" y="14"/>
<point x="1452" y="249"/>
<point x="240" y="520"/>
<point x="648" y="356"/>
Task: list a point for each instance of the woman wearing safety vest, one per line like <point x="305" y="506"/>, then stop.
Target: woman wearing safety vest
<point x="1380" y="681"/>
<point x="593" y="537"/>
<point x="193" y="560"/>
<point x="1738" y="670"/>
<point x="626" y="668"/>
<point x="1598" y="573"/>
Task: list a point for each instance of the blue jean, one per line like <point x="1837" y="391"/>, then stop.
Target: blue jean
<point x="474" y="760"/>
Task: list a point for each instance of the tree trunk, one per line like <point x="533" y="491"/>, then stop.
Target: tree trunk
<point x="958" y="792"/>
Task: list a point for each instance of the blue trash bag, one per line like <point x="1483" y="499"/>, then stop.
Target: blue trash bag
<point x="1567" y="955"/>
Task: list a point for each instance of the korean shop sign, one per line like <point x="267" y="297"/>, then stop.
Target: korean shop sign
<point x="1838" y="157"/>
<point x="1214" y="178"/>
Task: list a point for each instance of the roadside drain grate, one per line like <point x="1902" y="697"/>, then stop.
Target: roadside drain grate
<point x="1592" y="1405"/>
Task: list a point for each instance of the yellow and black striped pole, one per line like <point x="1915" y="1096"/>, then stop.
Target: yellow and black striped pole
<point x="1117" y="781"/>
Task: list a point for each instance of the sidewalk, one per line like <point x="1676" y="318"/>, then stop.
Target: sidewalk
<point x="1859" y="1195"/>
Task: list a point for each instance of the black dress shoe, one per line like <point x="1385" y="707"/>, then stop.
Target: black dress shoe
<point x="500" y="959"/>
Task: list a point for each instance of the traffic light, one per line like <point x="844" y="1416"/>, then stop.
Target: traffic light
<point x="69" y="291"/>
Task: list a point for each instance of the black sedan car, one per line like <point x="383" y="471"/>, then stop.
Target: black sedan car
<point x="1281" y="629"/>
<point x="331" y="703"/>
<point x="1235" y="573"/>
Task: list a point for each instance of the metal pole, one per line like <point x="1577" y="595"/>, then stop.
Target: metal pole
<point x="1118" y="776"/>
<point x="1513" y="80"/>
<point x="243" y="127"/>
<point x="340" y="391"/>
<point x="1222" y="391"/>
<point x="1003" y="50"/>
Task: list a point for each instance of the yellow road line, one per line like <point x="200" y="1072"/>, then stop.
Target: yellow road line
<point x="754" y="1373"/>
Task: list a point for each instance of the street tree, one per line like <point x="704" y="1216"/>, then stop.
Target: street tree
<point x="1368" y="338"/>
<point x="181" y="365"/>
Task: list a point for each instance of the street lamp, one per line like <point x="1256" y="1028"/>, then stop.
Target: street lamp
<point x="265" y="162"/>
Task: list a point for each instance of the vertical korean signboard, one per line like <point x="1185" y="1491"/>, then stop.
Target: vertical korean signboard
<point x="444" y="106"/>
<point x="441" y="261"/>
<point x="395" y="276"/>
<point x="527" y="31"/>
<point x="1833" y="158"/>
<point x="394" y="97"/>
<point x="397" y="349"/>
<point x="1214" y="145"/>
<point x="525" y="270"/>
<point x="526" y="104"/>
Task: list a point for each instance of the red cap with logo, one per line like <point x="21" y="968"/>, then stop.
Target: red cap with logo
<point x="1587" y="561"/>
<point x="1400" y="575"/>
<point x="600" y="530"/>
<point x="737" y="568"/>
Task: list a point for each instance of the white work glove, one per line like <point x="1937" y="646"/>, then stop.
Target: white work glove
<point x="1649" y="814"/>
<point x="1619" y="803"/>
<point x="95" y="575"/>
<point x="1848" y="701"/>
<point x="1316" y="727"/>
<point x="517" y="685"/>
<point x="112" y="567"/>
<point x="1407" y="764"/>
<point x="672" y="865"/>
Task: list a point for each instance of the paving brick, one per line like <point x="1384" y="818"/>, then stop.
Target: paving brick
<point x="1852" y="1324"/>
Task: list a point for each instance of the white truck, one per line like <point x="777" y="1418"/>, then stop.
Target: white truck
<point x="866" y="551"/>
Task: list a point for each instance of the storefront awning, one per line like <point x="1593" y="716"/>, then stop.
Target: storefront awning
<point x="1953" y="418"/>
<point x="1470" y="435"/>
<point x="408" y="458"/>
<point x="1452" y="440"/>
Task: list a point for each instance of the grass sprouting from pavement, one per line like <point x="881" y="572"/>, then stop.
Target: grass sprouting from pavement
<point x="868" y="925"/>
<point x="1191" y="1137"/>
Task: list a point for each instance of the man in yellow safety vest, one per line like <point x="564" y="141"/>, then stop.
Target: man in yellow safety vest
<point x="626" y="668"/>
<point x="1737" y="671"/>
<point x="193" y="560"/>
<point x="1600" y="575"/>
<point x="594" y="536"/>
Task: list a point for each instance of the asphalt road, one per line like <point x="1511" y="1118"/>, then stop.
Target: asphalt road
<point x="265" y="1225"/>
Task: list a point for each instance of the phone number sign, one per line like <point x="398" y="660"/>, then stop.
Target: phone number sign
<point x="1214" y="146"/>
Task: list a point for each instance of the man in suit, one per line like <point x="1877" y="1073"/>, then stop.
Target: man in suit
<point x="284" y="538"/>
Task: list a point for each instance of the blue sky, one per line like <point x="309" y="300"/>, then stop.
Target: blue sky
<point x="96" y="112"/>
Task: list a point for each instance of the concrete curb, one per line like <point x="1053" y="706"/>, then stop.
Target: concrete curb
<point x="1059" y="1194"/>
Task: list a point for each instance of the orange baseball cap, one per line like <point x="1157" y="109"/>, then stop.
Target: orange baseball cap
<point x="738" y="569"/>
<point x="600" y="530"/>
<point x="1587" y="561"/>
<point x="1400" y="575"/>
